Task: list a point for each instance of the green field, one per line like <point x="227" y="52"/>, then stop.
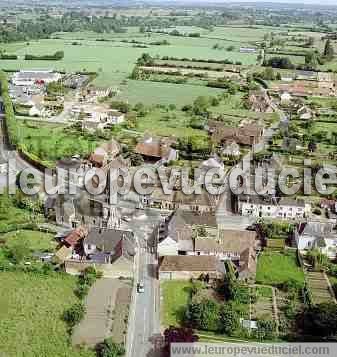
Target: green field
<point x="31" y="307"/>
<point x="163" y="123"/>
<point x="12" y="215"/>
<point x="114" y="60"/>
<point x="275" y="268"/>
<point x="36" y="241"/>
<point x="53" y="142"/>
<point x="176" y="295"/>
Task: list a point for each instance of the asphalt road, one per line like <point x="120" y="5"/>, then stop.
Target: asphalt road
<point x="144" y="319"/>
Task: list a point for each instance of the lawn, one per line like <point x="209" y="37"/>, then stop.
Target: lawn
<point x="11" y="216"/>
<point x="36" y="241"/>
<point x="176" y="295"/>
<point x="31" y="307"/>
<point x="53" y="142"/>
<point x="174" y="122"/>
<point x="275" y="268"/>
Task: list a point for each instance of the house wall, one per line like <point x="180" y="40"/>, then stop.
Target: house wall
<point x="89" y="249"/>
<point x="168" y="205"/>
<point x="272" y="211"/>
<point x="222" y="256"/>
<point x="184" y="275"/>
<point x="167" y="247"/>
<point x="307" y="242"/>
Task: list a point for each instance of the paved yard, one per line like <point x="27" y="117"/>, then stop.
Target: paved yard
<point x="100" y="304"/>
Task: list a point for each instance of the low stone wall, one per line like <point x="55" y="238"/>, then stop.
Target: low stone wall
<point x="74" y="267"/>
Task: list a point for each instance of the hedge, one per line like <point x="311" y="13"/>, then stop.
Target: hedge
<point x="5" y="56"/>
<point x="58" y="55"/>
<point x="9" y="110"/>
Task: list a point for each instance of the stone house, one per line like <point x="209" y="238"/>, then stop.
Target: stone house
<point x="317" y="235"/>
<point x="190" y="267"/>
<point x="284" y="208"/>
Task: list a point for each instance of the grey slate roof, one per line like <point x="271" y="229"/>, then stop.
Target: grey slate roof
<point x="109" y="240"/>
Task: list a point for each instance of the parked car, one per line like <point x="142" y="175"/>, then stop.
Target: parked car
<point x="140" y="287"/>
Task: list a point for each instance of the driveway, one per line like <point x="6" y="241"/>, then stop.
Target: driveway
<point x="100" y="305"/>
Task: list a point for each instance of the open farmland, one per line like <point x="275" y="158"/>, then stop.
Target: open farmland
<point x="114" y="59"/>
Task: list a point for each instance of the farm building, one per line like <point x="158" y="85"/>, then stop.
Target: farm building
<point x="190" y="267"/>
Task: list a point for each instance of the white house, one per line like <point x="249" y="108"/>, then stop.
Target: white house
<point x="317" y="235"/>
<point x="31" y="77"/>
<point x="285" y="98"/>
<point x="285" y="208"/>
<point x="212" y="163"/>
<point x="305" y="113"/>
<point x="232" y="149"/>
<point x="97" y="117"/>
<point x="177" y="233"/>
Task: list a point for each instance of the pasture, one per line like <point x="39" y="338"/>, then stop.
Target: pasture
<point x="114" y="60"/>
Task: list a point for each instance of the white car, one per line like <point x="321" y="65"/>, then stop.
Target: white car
<point x="126" y="218"/>
<point x="140" y="287"/>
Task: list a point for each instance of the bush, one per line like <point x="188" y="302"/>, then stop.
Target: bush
<point x="266" y="329"/>
<point x="74" y="314"/>
<point x="89" y="276"/>
<point x="109" y="349"/>
<point x="82" y="291"/>
<point x="203" y="315"/>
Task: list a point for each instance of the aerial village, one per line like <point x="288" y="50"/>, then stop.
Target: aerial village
<point x="228" y="265"/>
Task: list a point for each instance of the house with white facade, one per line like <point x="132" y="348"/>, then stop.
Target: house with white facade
<point x="231" y="149"/>
<point x="31" y="77"/>
<point x="96" y="117"/>
<point x="177" y="233"/>
<point x="317" y="235"/>
<point x="269" y="207"/>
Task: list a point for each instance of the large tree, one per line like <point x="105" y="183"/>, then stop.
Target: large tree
<point x="320" y="321"/>
<point x="177" y="335"/>
<point x="229" y="319"/>
<point x="203" y="315"/>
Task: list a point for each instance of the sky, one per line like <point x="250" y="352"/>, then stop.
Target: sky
<point x="315" y="2"/>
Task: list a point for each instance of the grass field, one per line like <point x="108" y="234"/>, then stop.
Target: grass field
<point x="31" y="307"/>
<point x="161" y="122"/>
<point x="114" y="60"/>
<point x="36" y="241"/>
<point x="51" y="142"/>
<point x="13" y="216"/>
<point x="275" y="268"/>
<point x="176" y="295"/>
